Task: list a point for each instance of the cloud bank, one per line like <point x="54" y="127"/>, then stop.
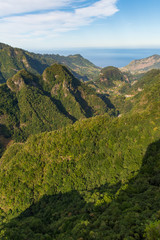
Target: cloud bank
<point x="48" y="18"/>
<point x="10" y="7"/>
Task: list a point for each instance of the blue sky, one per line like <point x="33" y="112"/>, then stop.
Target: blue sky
<point x="55" y="24"/>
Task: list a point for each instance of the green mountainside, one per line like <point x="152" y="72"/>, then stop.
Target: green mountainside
<point x="81" y="67"/>
<point x="78" y="160"/>
<point x="95" y="179"/>
<point x="111" y="80"/>
<point x="78" y="99"/>
<point x="14" y="59"/>
<point x="147" y="80"/>
<point x="98" y="159"/>
<point x="142" y="95"/>
<point x="31" y="104"/>
<point x="109" y="75"/>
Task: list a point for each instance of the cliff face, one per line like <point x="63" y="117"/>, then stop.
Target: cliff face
<point x="143" y="65"/>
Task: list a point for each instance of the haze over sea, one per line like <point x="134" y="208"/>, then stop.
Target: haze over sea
<point x="108" y="57"/>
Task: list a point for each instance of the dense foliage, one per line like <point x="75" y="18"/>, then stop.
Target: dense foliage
<point x="78" y="100"/>
<point x="15" y="59"/>
<point x="144" y="94"/>
<point x="32" y="104"/>
<point x="132" y="212"/>
<point x="109" y="76"/>
<point x="95" y="179"/>
<point x="98" y="162"/>
<point x="111" y="82"/>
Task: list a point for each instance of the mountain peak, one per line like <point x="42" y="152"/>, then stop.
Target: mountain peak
<point x="109" y="75"/>
<point x="58" y="74"/>
<point x="20" y="79"/>
<point x="2" y="45"/>
<point x="57" y="70"/>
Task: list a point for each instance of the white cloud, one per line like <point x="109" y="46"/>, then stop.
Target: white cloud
<point x="49" y="24"/>
<point x="101" y="8"/>
<point x="12" y="7"/>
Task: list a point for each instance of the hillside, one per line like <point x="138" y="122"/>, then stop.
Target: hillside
<point x="142" y="95"/>
<point x="111" y="81"/>
<point x="14" y="59"/>
<point x="109" y="75"/>
<point x="31" y="104"/>
<point x="146" y="81"/>
<point x="143" y="65"/>
<point x="78" y="99"/>
<point x="95" y="179"/>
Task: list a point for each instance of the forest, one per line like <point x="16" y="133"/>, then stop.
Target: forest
<point x="80" y="160"/>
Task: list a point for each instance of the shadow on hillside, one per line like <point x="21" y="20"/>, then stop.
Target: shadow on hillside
<point x="107" y="101"/>
<point x="5" y="138"/>
<point x="59" y="105"/>
<point x="69" y="216"/>
<point x="83" y="103"/>
<point x="2" y="79"/>
<point x="4" y="131"/>
<point x="80" y="77"/>
<point x="62" y="109"/>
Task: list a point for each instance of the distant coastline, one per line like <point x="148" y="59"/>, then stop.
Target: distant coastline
<point x="107" y="57"/>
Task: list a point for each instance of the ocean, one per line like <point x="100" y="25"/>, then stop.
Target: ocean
<point x="108" y="57"/>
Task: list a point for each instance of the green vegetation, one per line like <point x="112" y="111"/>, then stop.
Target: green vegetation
<point x="79" y="100"/>
<point x="95" y="179"/>
<point x="29" y="111"/>
<point x="145" y="81"/>
<point x="14" y="59"/>
<point x="102" y="160"/>
<point x="142" y="95"/>
<point x="32" y="104"/>
<point x="81" y="67"/>
<point x="9" y="111"/>
<point x="109" y="76"/>
<point x="9" y="115"/>
<point x="111" y="81"/>
<point x="109" y="212"/>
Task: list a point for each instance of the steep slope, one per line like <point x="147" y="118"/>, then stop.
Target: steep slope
<point x="9" y="115"/>
<point x="81" y="67"/>
<point x="141" y="96"/>
<point x="132" y="214"/>
<point x="79" y="100"/>
<point x="105" y="164"/>
<point x="25" y="109"/>
<point x="15" y="59"/>
<point x="109" y="75"/>
<point x="143" y="65"/>
<point x="50" y="154"/>
<point x="146" y="81"/>
<point x="32" y="104"/>
<point x="111" y="81"/>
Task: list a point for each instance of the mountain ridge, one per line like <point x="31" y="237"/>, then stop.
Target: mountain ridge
<point x="102" y="160"/>
<point x="47" y="102"/>
<point x="76" y="164"/>
<point x="15" y="59"/>
<point x="143" y="65"/>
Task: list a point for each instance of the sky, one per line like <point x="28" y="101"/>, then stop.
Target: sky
<point x="65" y="24"/>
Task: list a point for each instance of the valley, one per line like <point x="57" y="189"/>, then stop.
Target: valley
<point x="79" y="149"/>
